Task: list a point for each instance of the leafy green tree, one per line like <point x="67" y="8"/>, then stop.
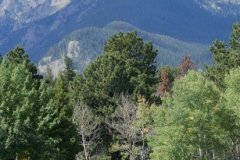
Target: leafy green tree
<point x="128" y="66"/>
<point x="226" y="56"/>
<point x="228" y="114"/>
<point x="185" y="126"/>
<point x="65" y="129"/>
<point x="26" y="115"/>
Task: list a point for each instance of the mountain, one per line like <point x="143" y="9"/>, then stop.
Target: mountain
<point x="184" y="20"/>
<point x="84" y="45"/>
<point x="25" y="11"/>
<point x="221" y="7"/>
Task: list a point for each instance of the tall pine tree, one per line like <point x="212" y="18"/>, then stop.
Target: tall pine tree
<point x="226" y="57"/>
<point x="65" y="130"/>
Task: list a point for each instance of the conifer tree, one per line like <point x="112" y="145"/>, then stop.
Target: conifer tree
<point x="166" y="76"/>
<point x="69" y="69"/>
<point x="18" y="56"/>
<point x="226" y="57"/>
<point x="49" y="77"/>
<point x="27" y="115"/>
<point x="65" y="129"/>
<point x="186" y="65"/>
<point x="128" y="66"/>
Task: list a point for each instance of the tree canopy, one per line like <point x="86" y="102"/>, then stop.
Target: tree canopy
<point x="25" y="112"/>
<point x="127" y="66"/>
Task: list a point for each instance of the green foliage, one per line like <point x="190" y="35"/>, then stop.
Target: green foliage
<point x="85" y="45"/>
<point x="65" y="129"/>
<point x="130" y="68"/>
<point x="26" y="115"/>
<point x="228" y="115"/>
<point x="225" y="58"/>
<point x="69" y="69"/>
<point x="185" y="125"/>
<point x="49" y="77"/>
<point x="18" y="56"/>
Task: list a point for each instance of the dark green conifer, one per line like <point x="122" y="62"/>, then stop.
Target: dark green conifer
<point x="226" y="57"/>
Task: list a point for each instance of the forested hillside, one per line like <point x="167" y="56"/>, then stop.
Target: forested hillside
<point x="121" y="106"/>
<point x="85" y="45"/>
<point x="41" y="24"/>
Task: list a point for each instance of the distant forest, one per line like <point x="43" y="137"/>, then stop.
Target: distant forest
<point x="121" y="107"/>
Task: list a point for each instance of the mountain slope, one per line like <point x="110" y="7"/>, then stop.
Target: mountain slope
<point x="184" y="20"/>
<point x="84" y="45"/>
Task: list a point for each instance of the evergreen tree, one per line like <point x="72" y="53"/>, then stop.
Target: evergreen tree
<point x="166" y="76"/>
<point x="1" y="58"/>
<point x="49" y="77"/>
<point x="128" y="66"/>
<point x="69" y="69"/>
<point x="18" y="56"/>
<point x="65" y="129"/>
<point x="226" y="56"/>
<point x="186" y="65"/>
<point x="27" y="115"/>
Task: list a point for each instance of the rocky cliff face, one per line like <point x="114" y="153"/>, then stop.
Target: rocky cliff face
<point x="28" y="22"/>
<point x="25" y="11"/>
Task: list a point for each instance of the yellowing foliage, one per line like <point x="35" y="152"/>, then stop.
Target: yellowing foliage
<point x="191" y="118"/>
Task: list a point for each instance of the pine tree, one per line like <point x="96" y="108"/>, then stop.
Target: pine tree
<point x="226" y="57"/>
<point x="186" y="65"/>
<point x="49" y="77"/>
<point x="128" y="66"/>
<point x="18" y="56"/>
<point x="65" y="129"/>
<point x="69" y="69"/>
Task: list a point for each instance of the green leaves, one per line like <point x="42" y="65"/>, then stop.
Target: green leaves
<point x="184" y="124"/>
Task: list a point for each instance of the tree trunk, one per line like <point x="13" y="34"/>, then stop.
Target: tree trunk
<point x="85" y="148"/>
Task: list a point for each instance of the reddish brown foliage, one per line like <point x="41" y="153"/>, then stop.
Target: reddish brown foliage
<point x="164" y="87"/>
<point x="187" y="64"/>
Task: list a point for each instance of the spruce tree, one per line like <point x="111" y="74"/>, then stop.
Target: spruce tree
<point x="27" y="115"/>
<point x="18" y="56"/>
<point x="69" y="69"/>
<point x="226" y="57"/>
<point x="65" y="129"/>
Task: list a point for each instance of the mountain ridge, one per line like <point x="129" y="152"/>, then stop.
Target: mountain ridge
<point x="183" y="20"/>
<point x="84" y="50"/>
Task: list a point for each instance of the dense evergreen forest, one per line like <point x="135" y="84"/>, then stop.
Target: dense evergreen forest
<point x="121" y="106"/>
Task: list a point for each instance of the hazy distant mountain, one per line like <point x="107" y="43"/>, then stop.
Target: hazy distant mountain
<point x="43" y="23"/>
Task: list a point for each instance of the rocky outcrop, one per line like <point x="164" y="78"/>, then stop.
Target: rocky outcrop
<point x="221" y="7"/>
<point x="25" y="11"/>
